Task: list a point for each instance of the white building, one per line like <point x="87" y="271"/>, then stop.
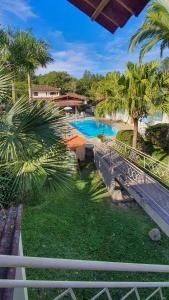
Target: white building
<point x="45" y="92"/>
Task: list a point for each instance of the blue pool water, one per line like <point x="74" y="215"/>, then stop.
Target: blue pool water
<point x="91" y="128"/>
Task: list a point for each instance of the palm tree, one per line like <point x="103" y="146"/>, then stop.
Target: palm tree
<point x="22" y="52"/>
<point x="33" y="155"/>
<point x="136" y="91"/>
<point x="107" y="92"/>
<point x="32" y="54"/>
<point x="140" y="82"/>
<point x="155" y="29"/>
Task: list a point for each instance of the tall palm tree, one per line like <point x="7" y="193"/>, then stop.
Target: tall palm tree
<point x="155" y="29"/>
<point x="140" y="82"/>
<point x="33" y="53"/>
<point x="136" y="91"/>
<point x="22" y="52"/>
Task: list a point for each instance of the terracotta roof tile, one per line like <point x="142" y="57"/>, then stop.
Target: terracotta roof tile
<point x="71" y="96"/>
<point x="68" y="103"/>
<point x="75" y="141"/>
<point x="44" y="88"/>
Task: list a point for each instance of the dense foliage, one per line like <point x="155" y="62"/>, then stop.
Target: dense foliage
<point x="32" y="151"/>
<point x="86" y="83"/>
<point x="158" y="135"/>
<point x="68" y="83"/>
<point x="126" y="136"/>
<point x="61" y="80"/>
<point x="33" y="155"/>
<point x="164" y="66"/>
<point x="141" y="90"/>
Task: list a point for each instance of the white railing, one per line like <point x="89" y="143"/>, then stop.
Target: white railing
<point x="106" y="287"/>
<point x="151" y="165"/>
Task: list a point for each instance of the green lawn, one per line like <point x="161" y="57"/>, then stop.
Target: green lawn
<point x="160" y="154"/>
<point x="79" y="225"/>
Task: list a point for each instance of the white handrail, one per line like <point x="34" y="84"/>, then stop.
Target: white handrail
<point x="79" y="284"/>
<point x="39" y="262"/>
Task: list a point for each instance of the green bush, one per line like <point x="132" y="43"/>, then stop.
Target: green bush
<point x="158" y="135"/>
<point x="126" y="136"/>
<point x="101" y="137"/>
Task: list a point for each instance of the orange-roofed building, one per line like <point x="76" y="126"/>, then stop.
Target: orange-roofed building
<point x="77" y="144"/>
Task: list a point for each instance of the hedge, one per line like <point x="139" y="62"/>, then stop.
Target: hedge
<point x="158" y="135"/>
<point x="126" y="136"/>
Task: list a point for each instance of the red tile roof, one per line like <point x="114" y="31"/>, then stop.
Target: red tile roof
<point x="68" y="103"/>
<point x="73" y="96"/>
<point x="75" y="141"/>
<point x="10" y="226"/>
<point x="44" y="88"/>
<point x="111" y="14"/>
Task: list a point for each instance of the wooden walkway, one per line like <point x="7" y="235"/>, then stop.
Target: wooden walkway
<point x="149" y="193"/>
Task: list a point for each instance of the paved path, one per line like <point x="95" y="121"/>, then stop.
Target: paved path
<point x="150" y="194"/>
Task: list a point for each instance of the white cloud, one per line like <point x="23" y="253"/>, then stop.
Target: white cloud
<point x="19" y="8"/>
<point x="73" y="57"/>
<point x="76" y="57"/>
<point x="71" y="60"/>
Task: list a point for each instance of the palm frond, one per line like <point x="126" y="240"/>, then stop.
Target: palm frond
<point x="147" y="47"/>
<point x="32" y="150"/>
<point x="5" y="82"/>
<point x="154" y="30"/>
<point x="48" y="169"/>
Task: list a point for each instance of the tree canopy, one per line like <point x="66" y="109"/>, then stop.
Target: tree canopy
<point x="140" y="90"/>
<point x="61" y="80"/>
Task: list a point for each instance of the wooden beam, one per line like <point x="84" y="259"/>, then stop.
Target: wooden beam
<point x="129" y="9"/>
<point x="99" y="9"/>
<point x="111" y="20"/>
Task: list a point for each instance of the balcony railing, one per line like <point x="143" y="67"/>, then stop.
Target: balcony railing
<point x="151" y="165"/>
<point x="70" y="286"/>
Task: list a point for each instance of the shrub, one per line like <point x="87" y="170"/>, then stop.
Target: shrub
<point x="126" y="136"/>
<point x="101" y="137"/>
<point x="158" y="135"/>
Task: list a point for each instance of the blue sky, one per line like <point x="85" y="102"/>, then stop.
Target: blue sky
<point x="76" y="42"/>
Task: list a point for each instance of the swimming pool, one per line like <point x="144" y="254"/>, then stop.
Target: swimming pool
<point x="91" y="128"/>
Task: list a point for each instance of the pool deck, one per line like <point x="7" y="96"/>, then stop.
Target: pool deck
<point x="119" y="125"/>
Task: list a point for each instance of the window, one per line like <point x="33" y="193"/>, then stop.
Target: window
<point x="35" y="93"/>
<point x="52" y="93"/>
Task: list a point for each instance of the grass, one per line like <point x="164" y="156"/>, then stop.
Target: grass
<point x="81" y="225"/>
<point x="160" y="154"/>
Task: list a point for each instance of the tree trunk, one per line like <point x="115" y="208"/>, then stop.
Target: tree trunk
<point x="13" y="92"/>
<point x="135" y="132"/>
<point x="29" y="86"/>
